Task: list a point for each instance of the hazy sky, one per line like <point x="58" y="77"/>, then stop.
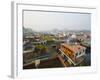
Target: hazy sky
<point x="43" y="21"/>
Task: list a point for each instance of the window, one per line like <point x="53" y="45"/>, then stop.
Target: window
<point x="76" y="54"/>
<point x="79" y="53"/>
<point x="83" y="50"/>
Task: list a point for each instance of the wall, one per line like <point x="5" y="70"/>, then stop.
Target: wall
<point x="5" y="39"/>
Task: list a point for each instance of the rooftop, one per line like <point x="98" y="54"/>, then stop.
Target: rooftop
<point x="73" y="47"/>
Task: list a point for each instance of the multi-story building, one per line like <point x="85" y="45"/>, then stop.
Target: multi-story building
<point x="73" y="52"/>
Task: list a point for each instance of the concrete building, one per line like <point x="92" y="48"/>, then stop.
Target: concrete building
<point x="74" y="53"/>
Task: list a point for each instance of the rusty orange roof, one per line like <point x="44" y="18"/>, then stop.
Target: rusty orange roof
<point x="74" y="48"/>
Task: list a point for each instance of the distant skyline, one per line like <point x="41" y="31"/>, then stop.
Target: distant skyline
<point x="46" y="21"/>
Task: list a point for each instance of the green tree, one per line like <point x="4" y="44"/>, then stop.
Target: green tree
<point x="41" y="48"/>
